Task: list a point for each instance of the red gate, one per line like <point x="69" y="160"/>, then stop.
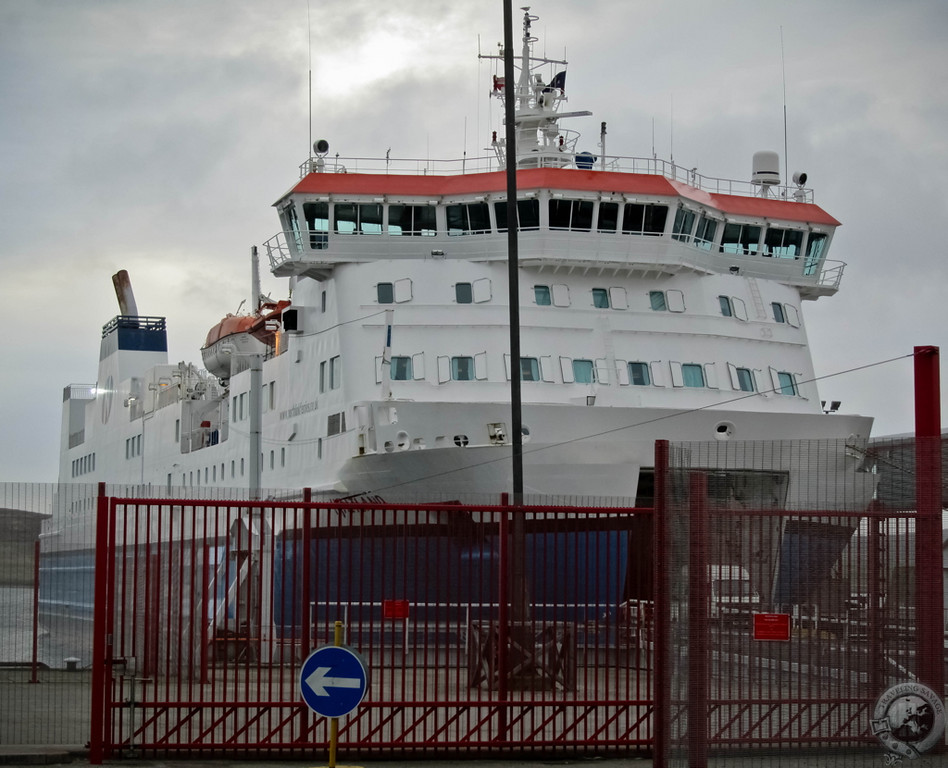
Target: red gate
<point x="212" y="607"/>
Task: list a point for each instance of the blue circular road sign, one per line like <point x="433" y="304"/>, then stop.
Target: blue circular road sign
<point x="333" y="681"/>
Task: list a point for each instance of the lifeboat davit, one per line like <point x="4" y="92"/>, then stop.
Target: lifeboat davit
<point x="232" y="341"/>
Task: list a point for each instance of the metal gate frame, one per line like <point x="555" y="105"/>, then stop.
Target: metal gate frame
<point x="509" y="670"/>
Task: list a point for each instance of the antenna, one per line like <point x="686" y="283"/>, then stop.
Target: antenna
<point x="309" y="40"/>
<point x="783" y="68"/>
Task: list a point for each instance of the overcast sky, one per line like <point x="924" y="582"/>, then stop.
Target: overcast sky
<point x="154" y="136"/>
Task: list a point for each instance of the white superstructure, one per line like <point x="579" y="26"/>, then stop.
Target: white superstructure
<point x="654" y="303"/>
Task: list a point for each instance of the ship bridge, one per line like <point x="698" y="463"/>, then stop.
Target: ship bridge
<point x="569" y="218"/>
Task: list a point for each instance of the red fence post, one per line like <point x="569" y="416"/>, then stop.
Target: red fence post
<point x="306" y="542"/>
<point x="876" y="591"/>
<point x="306" y="599"/>
<point x="929" y="589"/>
<point x="661" y="614"/>
<point x="699" y="631"/>
<point x="103" y="550"/>
<point x="503" y="615"/>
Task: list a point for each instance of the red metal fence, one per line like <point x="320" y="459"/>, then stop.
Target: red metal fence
<point x="767" y="601"/>
<point x="485" y="629"/>
<point x="791" y="612"/>
<point x="490" y="629"/>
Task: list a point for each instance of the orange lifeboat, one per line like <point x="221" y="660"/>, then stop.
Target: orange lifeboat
<point x="230" y="342"/>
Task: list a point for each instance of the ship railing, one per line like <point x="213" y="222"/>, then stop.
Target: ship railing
<point x="832" y="274"/>
<point x="652" y="166"/>
<point x="278" y="250"/>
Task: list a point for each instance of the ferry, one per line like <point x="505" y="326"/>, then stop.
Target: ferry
<point x="654" y="303"/>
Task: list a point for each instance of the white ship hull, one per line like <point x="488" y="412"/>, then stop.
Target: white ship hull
<point x="571" y="451"/>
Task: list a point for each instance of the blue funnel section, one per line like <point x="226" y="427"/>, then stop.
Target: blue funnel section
<point x="808" y="552"/>
<point x="134" y="333"/>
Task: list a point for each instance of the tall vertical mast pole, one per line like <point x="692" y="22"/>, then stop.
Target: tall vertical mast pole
<point x="516" y="435"/>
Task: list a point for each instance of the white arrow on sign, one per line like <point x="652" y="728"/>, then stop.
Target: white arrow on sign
<point x="319" y="682"/>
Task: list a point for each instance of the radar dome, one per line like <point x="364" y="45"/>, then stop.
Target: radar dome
<point x="766" y="168"/>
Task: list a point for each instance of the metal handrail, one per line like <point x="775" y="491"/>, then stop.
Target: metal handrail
<point x="614" y="163"/>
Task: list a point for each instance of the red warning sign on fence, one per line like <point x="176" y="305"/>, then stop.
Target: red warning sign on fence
<point x="772" y="626"/>
<point x="394" y="609"/>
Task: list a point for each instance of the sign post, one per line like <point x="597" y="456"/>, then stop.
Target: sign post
<point x="333" y="682"/>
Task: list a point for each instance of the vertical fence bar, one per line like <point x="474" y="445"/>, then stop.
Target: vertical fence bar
<point x="103" y="550"/>
<point x="503" y="552"/>
<point x="699" y="631"/>
<point x="929" y="588"/>
<point x="876" y="591"/>
<point x="306" y="542"/>
<point x="661" y="613"/>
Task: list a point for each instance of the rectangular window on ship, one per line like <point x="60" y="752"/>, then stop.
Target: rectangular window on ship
<point x="401" y="369"/>
<point x="639" y="374"/>
<point x="462" y="368"/>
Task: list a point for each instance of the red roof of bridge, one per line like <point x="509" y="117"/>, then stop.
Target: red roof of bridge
<point x="562" y="179"/>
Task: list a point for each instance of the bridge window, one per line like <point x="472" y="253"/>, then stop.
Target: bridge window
<point x="317" y="222"/>
<point x="601" y="298"/>
<point x="575" y="215"/>
<point x="541" y="294"/>
<point x="468" y="218"/>
<point x="644" y="219"/>
<point x="684" y="224"/>
<point x="740" y="238"/>
<point x="416" y="220"/>
<point x="528" y="214"/>
<point x="608" y="217"/>
<point x="783" y="243"/>
<point x="704" y="234"/>
<point x="358" y="218"/>
<point x="639" y="374"/>
<point x="529" y="369"/>
<point x="815" y="247"/>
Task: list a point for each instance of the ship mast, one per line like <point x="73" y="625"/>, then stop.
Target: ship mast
<point x="539" y="141"/>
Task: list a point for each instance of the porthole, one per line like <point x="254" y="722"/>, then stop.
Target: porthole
<point x="402" y="440"/>
<point x="724" y="430"/>
<point x="525" y="432"/>
<point x="461" y="441"/>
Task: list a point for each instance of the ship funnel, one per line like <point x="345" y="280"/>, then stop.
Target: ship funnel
<point x="123" y="292"/>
